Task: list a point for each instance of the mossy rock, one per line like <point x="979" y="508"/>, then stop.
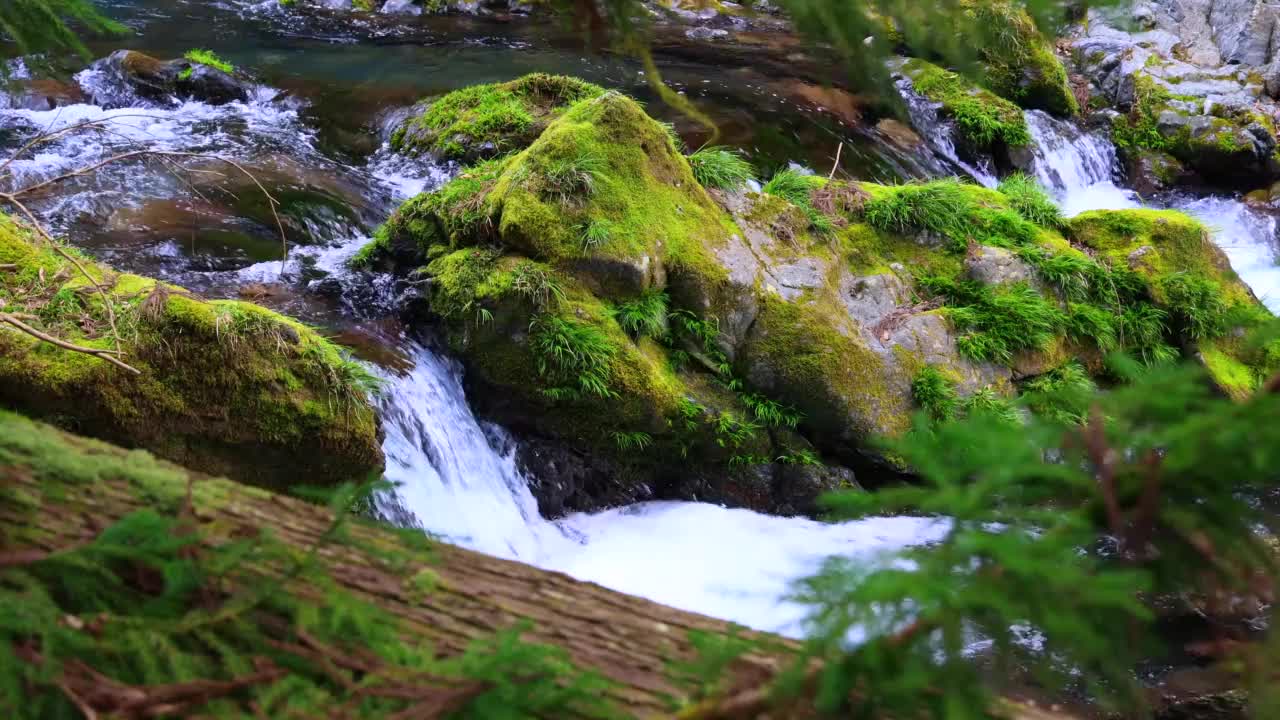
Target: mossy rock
<point x="985" y="120"/>
<point x="815" y="359"/>
<point x="1190" y="278"/>
<point x="484" y="121"/>
<point x="225" y="387"/>
<point x="1019" y="61"/>
<point x="1231" y="147"/>
<point x="602" y="194"/>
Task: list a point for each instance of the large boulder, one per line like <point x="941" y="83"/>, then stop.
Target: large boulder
<point x="224" y="387"/>
<point x="646" y="337"/>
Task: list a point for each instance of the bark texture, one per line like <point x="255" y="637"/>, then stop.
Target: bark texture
<point x="628" y="639"/>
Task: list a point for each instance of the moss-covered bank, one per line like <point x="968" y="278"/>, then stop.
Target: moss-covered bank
<point x="225" y="387"/>
<point x="707" y="343"/>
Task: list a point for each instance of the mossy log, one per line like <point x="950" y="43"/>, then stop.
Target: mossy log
<point x="223" y="386"/>
<point x="58" y="490"/>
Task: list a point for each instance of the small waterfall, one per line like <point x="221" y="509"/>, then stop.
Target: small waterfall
<point x="449" y="474"/>
<point x="457" y="478"/>
<point x="939" y="134"/>
<point x="1081" y="168"/>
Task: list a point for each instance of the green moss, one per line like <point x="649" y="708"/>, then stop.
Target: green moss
<point x="641" y="187"/>
<point x="488" y="120"/>
<point x="1138" y="129"/>
<point x="1233" y="376"/>
<point x="983" y="118"/>
<point x="1156" y="243"/>
<point x="211" y="393"/>
<point x="814" y="362"/>
<point x="1019" y="61"/>
<point x="209" y="59"/>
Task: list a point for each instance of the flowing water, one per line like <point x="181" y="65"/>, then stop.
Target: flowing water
<point x="315" y="131"/>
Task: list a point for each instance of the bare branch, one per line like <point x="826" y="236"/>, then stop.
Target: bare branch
<point x="108" y="355"/>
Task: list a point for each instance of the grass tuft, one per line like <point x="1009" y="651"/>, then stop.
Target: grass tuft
<point x="935" y="393"/>
<point x="721" y="168"/>
<point x="572" y="178"/>
<point x="573" y="355"/>
<point x="645" y="316"/>
<point x="595" y="234"/>
<point x="1030" y="200"/>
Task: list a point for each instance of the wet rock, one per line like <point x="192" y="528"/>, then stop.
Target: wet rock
<point x="168" y="82"/>
<point x="401" y="7"/>
<point x="1151" y="172"/>
<point x="40" y="94"/>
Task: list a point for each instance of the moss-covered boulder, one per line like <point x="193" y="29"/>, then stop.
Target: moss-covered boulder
<point x="646" y="337"/>
<point x="224" y="387"/>
<point x="987" y="123"/>
<point x="484" y="121"/>
<point x="1190" y="279"/>
<point x="1018" y="60"/>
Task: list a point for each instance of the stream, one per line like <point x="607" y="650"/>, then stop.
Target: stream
<point x="315" y="132"/>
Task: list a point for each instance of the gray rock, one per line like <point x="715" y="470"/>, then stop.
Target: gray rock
<point x="869" y="299"/>
<point x="706" y="33"/>
<point x="997" y="266"/>
<point x="1170" y="122"/>
<point x="792" y="279"/>
<point x="1144" y="15"/>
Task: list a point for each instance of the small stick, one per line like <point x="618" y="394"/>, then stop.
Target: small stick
<point x="108" y="355"/>
<point x="839" y="149"/>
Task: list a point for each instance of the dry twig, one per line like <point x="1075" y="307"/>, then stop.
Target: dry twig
<point x="108" y="355"/>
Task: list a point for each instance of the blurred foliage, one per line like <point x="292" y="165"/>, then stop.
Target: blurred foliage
<point x="44" y="26"/>
<point x="1059" y="531"/>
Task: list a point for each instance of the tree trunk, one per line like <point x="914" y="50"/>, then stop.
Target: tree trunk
<point x="625" y="638"/>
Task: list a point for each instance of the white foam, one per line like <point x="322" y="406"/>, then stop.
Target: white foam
<point x="732" y="564"/>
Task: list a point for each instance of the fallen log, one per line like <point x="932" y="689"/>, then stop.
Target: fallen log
<point x="631" y="641"/>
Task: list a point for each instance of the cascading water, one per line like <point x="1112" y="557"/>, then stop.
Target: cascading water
<point x="1081" y="167"/>
<point x="939" y="134"/>
<point x="458" y="479"/>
